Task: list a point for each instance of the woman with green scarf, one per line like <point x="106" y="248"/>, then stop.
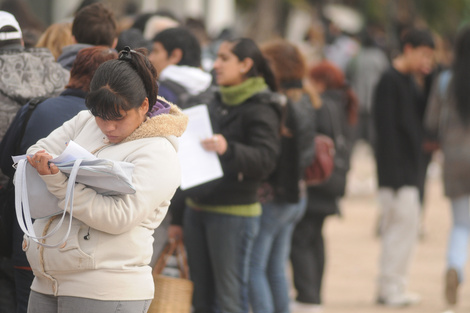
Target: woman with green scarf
<point x="222" y="222"/>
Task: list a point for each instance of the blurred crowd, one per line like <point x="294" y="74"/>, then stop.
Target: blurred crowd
<point x="270" y="103"/>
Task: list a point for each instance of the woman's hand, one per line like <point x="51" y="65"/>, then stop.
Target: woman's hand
<point x="215" y="143"/>
<point x="40" y="161"/>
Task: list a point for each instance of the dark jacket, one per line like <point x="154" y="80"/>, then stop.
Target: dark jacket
<point x="323" y="199"/>
<point x="297" y="150"/>
<point x="252" y="133"/>
<point x="47" y="116"/>
<point x="398" y="123"/>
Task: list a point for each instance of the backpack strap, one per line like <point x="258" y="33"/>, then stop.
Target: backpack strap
<point x="32" y="105"/>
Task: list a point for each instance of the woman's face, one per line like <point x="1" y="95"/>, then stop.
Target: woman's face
<point x="119" y="129"/>
<point x="229" y="70"/>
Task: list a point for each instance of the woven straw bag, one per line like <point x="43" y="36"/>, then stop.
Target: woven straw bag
<point x="172" y="295"/>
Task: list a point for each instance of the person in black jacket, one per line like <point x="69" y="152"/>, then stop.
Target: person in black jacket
<point x="398" y="122"/>
<point x="283" y="194"/>
<point x="335" y="118"/>
<point x="221" y="224"/>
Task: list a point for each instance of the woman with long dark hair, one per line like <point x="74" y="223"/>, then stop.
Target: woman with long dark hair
<point x="221" y="224"/>
<point x="448" y="117"/>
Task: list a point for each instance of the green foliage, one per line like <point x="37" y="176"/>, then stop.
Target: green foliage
<point x="443" y="16"/>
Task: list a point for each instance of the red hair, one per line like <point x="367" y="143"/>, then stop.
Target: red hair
<point x="333" y="78"/>
<point x="85" y="65"/>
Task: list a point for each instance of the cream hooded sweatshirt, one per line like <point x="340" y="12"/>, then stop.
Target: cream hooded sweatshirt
<point x="107" y="253"/>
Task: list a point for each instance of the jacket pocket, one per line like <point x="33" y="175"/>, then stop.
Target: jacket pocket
<point x="69" y="256"/>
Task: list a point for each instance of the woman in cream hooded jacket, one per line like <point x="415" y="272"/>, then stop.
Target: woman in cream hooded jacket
<point x="107" y="253"/>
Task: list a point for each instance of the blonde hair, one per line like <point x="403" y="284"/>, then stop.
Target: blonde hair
<point x="55" y="37"/>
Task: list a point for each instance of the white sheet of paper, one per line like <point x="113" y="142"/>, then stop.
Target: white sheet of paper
<point x="72" y="152"/>
<point x="197" y="165"/>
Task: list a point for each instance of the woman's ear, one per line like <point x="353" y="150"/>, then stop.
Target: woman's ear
<point x="246" y="65"/>
<point x="144" y="107"/>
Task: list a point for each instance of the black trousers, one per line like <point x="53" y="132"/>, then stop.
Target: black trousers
<point x="308" y="258"/>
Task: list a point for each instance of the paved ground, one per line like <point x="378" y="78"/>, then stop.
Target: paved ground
<point x="353" y="249"/>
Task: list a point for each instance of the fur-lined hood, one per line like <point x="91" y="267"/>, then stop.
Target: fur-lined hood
<point x="164" y="125"/>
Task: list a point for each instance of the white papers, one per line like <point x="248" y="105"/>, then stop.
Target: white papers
<point x="72" y="152"/>
<point x="198" y="165"/>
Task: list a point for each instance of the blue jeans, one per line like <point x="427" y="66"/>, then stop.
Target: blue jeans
<point x="219" y="249"/>
<point x="269" y="291"/>
<point x="458" y="240"/>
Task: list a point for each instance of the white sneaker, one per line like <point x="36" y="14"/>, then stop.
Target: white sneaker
<point x="400" y="300"/>
<point x="301" y="307"/>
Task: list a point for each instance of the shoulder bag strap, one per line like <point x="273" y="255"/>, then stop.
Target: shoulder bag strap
<point x="173" y="248"/>
<point x="23" y="209"/>
<point x="338" y="136"/>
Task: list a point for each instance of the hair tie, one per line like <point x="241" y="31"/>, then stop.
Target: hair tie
<point x="126" y="54"/>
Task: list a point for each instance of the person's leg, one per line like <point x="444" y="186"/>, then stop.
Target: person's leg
<point x="23" y="272"/>
<point x="399" y="235"/>
<point x="457" y="247"/>
<point x="230" y="240"/>
<point x="7" y="286"/>
<point x="200" y="267"/>
<point x="260" y="297"/>
<point x="23" y="280"/>
<point x="307" y="257"/>
<point x="276" y="269"/>
<point x="458" y="240"/>
<point x="41" y="303"/>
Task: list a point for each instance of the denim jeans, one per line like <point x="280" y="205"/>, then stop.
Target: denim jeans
<point x="269" y="290"/>
<point x="219" y="249"/>
<point x="457" y="247"/>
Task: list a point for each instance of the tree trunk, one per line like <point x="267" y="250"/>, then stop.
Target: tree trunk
<point x="265" y="17"/>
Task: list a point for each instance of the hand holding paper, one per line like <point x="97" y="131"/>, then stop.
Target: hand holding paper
<point x="198" y="165"/>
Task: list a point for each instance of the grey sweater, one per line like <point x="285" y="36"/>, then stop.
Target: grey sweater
<point x="443" y="120"/>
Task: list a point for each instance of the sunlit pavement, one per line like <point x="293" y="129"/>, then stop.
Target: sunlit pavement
<point x="353" y="248"/>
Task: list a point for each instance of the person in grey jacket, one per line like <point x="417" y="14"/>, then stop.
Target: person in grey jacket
<point x="448" y="118"/>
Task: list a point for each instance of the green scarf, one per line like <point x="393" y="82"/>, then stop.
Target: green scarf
<point x="234" y="95"/>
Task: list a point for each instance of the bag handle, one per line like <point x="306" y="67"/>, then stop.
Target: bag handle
<point x="23" y="209"/>
<point x="175" y="247"/>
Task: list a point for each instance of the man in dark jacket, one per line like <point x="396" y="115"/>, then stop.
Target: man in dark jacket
<point x="398" y="123"/>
